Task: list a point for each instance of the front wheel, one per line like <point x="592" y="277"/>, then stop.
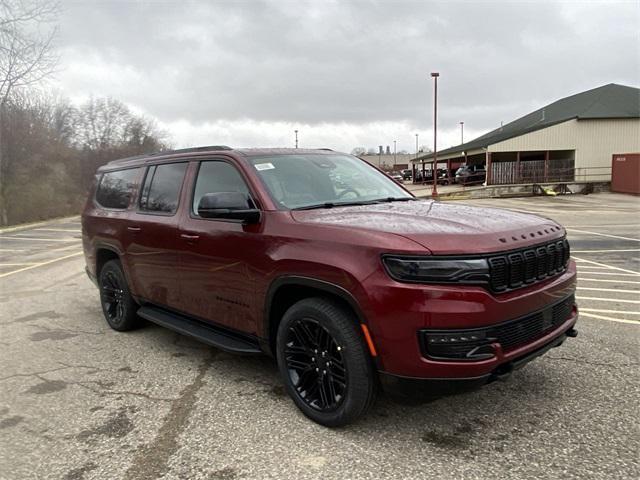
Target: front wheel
<point x="324" y="363"/>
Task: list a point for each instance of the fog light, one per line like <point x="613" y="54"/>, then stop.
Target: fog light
<point x="456" y="337"/>
<point x="471" y="345"/>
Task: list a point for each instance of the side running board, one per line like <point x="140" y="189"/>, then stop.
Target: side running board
<point x="206" y="333"/>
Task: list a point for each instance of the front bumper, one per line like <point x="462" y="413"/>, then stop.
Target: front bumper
<point x="428" y="388"/>
<point x="397" y="313"/>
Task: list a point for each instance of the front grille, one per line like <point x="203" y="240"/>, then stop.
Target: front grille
<point x="524" y="267"/>
<point x="511" y="334"/>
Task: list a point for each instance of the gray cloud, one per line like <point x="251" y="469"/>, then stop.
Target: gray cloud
<point x="356" y="62"/>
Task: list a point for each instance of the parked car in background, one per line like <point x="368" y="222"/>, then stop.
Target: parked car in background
<point x="397" y="177"/>
<point x="407" y="174"/>
<point x="323" y="262"/>
<point x="471" y="175"/>
<point x="427" y="176"/>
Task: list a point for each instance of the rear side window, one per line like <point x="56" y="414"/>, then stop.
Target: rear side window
<point x="161" y="188"/>
<point x="115" y="188"/>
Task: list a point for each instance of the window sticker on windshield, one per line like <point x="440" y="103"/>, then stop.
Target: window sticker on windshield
<point x="264" y="166"/>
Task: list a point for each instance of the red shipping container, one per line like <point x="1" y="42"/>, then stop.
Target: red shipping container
<point x="625" y="173"/>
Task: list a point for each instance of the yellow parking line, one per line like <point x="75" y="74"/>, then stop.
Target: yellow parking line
<point x="21" y="227"/>
<point x="607" y="251"/>
<point x="607" y="281"/>
<point x="36" y="239"/>
<point x="15" y="264"/>
<point x="603" y="234"/>
<point x="600" y="310"/>
<point x="73" y="230"/>
<point x="610" y="319"/>
<point x="609" y="266"/>
<point x="61" y="248"/>
<point x="42" y="264"/>
<point x="608" y="299"/>
<point x="609" y="290"/>
<point x="604" y="225"/>
<point x="614" y="274"/>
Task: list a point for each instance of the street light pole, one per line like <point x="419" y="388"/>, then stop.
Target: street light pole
<point x="296" y="138"/>
<point x="461" y="133"/>
<point x="416" y="145"/>
<point x="434" y="192"/>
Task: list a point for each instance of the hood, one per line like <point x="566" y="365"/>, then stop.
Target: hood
<point x="442" y="228"/>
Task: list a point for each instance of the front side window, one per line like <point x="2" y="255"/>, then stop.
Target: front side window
<point x="310" y="180"/>
<point x="162" y="186"/>
<point x="115" y="188"/>
<point x="216" y="177"/>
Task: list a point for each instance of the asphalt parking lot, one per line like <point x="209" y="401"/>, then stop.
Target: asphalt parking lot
<point x="78" y="400"/>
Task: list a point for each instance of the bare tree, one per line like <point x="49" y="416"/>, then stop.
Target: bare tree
<point x="106" y="129"/>
<point x="26" y="56"/>
<point x="101" y="123"/>
<point x="26" y="45"/>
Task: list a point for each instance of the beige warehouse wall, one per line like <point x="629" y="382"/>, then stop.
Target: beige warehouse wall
<point x="598" y="140"/>
<point x="593" y="140"/>
<point x="563" y="136"/>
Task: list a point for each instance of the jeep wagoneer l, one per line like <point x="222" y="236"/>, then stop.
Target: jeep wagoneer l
<point x="324" y="262"/>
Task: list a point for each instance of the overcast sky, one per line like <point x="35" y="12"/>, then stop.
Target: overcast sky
<point x="345" y="74"/>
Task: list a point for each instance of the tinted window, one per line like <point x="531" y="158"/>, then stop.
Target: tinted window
<point x="162" y="188"/>
<point x="115" y="188"/>
<point x="215" y="177"/>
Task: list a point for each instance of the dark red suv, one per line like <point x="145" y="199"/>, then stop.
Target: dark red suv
<point x="322" y="261"/>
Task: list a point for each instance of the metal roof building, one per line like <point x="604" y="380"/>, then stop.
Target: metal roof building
<point x="573" y="138"/>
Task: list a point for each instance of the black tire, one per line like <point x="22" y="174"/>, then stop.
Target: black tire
<point x="309" y="328"/>
<point x="118" y="305"/>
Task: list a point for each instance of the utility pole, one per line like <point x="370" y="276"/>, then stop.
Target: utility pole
<point x="296" y="138"/>
<point x="434" y="192"/>
<point x="416" y="145"/>
<point x="461" y="133"/>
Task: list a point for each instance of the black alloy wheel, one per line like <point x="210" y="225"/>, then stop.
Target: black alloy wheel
<point x="324" y="362"/>
<point x="118" y="305"/>
<point x="112" y="297"/>
<point x="315" y="365"/>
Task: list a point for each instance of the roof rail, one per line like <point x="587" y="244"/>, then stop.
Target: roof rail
<point x="192" y="149"/>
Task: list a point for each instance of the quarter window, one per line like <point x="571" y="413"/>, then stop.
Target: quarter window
<point x="115" y="188"/>
<point x="216" y="177"/>
<point x="161" y="188"/>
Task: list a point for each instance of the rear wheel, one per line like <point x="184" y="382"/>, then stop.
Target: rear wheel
<point x="324" y="363"/>
<point x="118" y="305"/>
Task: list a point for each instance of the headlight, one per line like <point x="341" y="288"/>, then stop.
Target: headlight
<point x="434" y="270"/>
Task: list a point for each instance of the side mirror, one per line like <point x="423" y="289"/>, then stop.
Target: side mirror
<point x="228" y="206"/>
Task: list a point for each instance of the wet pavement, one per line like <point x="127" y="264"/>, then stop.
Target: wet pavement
<point x="78" y="400"/>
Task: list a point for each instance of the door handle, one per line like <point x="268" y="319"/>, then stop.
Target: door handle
<point x="134" y="229"/>
<point x="189" y="238"/>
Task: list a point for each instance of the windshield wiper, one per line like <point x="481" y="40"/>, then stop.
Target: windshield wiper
<point x="395" y="199"/>
<point x="335" y="204"/>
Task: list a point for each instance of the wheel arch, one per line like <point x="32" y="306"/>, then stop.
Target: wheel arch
<point x="104" y="253"/>
<point x="287" y="290"/>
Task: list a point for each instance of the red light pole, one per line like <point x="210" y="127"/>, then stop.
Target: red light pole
<point x="434" y="172"/>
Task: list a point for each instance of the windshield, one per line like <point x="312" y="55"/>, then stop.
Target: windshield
<point x="310" y="180"/>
